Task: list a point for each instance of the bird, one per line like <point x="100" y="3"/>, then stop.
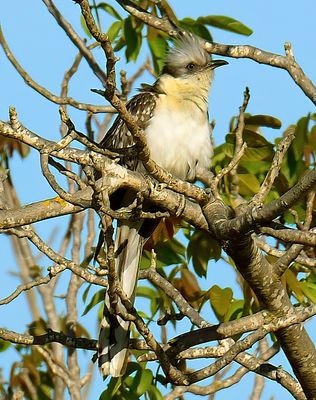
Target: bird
<point x="173" y="113"/>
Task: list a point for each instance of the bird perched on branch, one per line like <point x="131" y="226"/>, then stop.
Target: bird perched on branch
<point x="173" y="113"/>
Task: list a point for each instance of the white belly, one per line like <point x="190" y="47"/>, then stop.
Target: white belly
<point x="179" y="139"/>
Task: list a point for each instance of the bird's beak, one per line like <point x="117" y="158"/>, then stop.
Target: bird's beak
<point x="216" y="63"/>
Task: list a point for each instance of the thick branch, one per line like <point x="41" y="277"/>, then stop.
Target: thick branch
<point x="225" y="227"/>
<point x="294" y="340"/>
<point x="267" y="285"/>
<point x="118" y="176"/>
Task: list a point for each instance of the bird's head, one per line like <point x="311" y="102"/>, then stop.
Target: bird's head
<point x="188" y="60"/>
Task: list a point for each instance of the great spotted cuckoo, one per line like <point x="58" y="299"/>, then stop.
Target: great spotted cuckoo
<point x="173" y="113"/>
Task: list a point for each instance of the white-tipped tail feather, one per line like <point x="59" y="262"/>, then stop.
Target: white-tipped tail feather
<point x="114" y="332"/>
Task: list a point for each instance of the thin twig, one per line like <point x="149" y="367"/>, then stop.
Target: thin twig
<point x="76" y="40"/>
<point x="226" y="170"/>
<point x="274" y="170"/>
<point x="156" y="279"/>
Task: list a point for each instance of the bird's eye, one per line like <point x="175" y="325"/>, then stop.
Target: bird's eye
<point x="190" y="66"/>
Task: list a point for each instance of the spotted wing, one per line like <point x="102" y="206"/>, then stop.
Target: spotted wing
<point x="118" y="136"/>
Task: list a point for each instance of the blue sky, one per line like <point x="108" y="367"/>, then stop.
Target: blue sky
<point x="45" y="52"/>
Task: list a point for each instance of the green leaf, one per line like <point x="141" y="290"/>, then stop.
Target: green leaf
<point x="309" y="289"/>
<point x="4" y="345"/>
<point x="294" y="166"/>
<point x="112" y="389"/>
<point x="158" y="47"/>
<point x="202" y="247"/>
<point x="152" y="295"/>
<point x="168" y="253"/>
<point x="221" y="154"/>
<point x="86" y="292"/>
<point x="38" y="327"/>
<point x="300" y="139"/>
<point x="255" y="139"/>
<point x="109" y="9"/>
<point x="120" y="44"/>
<point x="290" y="278"/>
<point x="114" y="30"/>
<point x="145" y="382"/>
<point x="220" y="300"/>
<point x="235" y="310"/>
<point x="45" y="391"/>
<point x="154" y="393"/>
<point x="132" y="367"/>
<point x="196" y="27"/>
<point x="96" y="299"/>
<point x="133" y="40"/>
<point x="254" y="167"/>
<point x="141" y="382"/>
<point x="81" y="331"/>
<point x="312" y="137"/>
<point x="84" y="27"/>
<point x="248" y="184"/>
<point x="258" y="154"/>
<point x="126" y="394"/>
<point x="147" y="292"/>
<point x="258" y="148"/>
<point x="144" y="316"/>
<point x="263" y="120"/>
<point x="226" y="23"/>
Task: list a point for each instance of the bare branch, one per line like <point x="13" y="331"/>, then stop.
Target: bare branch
<point x="156" y="279"/>
<point x="149" y="19"/>
<point x="226" y="227"/>
<point x="291" y="235"/>
<point x="265" y="57"/>
<point x="76" y="40"/>
<point x="71" y="303"/>
<point x="50" y="337"/>
<point x="240" y="326"/>
<point x="230" y="167"/>
<point x="274" y="170"/>
<point x="63" y="263"/>
<point x="27" y="286"/>
<point x="307" y="261"/>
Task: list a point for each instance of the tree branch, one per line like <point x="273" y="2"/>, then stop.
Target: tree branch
<point x="291" y="235"/>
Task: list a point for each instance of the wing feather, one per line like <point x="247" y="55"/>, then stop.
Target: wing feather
<point x="142" y="107"/>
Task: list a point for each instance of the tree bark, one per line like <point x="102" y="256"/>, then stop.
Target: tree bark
<point x="267" y="286"/>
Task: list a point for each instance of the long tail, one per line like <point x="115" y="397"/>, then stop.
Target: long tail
<point x="114" y="331"/>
